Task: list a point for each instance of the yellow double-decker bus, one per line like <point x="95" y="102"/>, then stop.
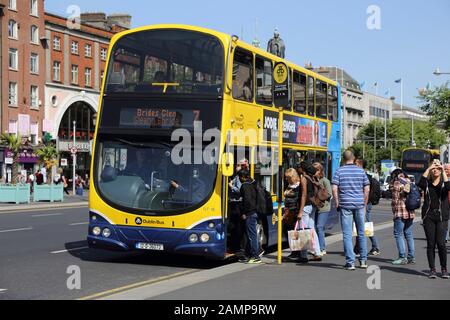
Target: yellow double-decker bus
<point x="175" y="100"/>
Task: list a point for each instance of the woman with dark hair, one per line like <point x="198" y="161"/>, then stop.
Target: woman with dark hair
<point x="435" y="215"/>
<point x="403" y="218"/>
<point x="306" y="216"/>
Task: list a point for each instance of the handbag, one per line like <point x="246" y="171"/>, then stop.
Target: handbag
<point x="368" y="230"/>
<point x="300" y="240"/>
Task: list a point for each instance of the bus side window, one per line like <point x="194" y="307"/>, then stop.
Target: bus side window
<point x="321" y="99"/>
<point x="264" y="70"/>
<point x="243" y="75"/>
<point x="332" y="103"/>
<point x="264" y="168"/>
<point x="299" y="86"/>
<point x="311" y="96"/>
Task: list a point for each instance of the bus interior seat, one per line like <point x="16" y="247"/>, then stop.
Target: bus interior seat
<point x="126" y="190"/>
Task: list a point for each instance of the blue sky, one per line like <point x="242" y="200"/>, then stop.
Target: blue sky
<point x="412" y="42"/>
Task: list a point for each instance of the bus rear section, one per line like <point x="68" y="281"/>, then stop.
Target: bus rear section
<point x="155" y="181"/>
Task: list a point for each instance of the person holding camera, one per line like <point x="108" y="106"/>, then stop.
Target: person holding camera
<point x="435" y="215"/>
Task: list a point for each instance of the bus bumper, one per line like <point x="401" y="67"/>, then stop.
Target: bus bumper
<point x="176" y="241"/>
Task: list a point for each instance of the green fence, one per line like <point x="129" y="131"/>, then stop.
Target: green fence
<point x="48" y="192"/>
<point x="19" y="193"/>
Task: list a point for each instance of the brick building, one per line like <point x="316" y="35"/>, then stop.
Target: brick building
<point x="22" y="76"/>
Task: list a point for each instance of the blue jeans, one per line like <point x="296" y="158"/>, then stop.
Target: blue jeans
<point x="374" y="239"/>
<point x="403" y="229"/>
<point x="308" y="222"/>
<point x="347" y="216"/>
<point x="252" y="235"/>
<point x="321" y="221"/>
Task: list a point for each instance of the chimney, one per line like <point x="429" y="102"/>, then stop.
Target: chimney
<point x="309" y="66"/>
<point x="120" y="20"/>
<point x="95" y="19"/>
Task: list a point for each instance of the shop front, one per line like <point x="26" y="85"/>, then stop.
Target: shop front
<point x="28" y="163"/>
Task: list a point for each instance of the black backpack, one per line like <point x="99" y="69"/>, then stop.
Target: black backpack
<point x="375" y="191"/>
<point x="264" y="204"/>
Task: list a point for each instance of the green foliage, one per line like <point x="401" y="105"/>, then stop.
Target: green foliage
<point x="398" y="134"/>
<point x="48" y="156"/>
<point x="13" y="143"/>
<point x="436" y="103"/>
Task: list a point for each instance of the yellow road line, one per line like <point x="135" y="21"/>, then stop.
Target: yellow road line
<point x="136" y="285"/>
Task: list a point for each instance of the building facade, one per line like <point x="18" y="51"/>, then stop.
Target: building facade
<point x="75" y="61"/>
<point x="22" y="78"/>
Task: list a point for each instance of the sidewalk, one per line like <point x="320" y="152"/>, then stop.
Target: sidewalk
<point x="315" y="280"/>
<point x="70" y="201"/>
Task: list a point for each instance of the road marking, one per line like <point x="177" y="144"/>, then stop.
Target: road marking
<point x="3" y="290"/>
<point x="78" y="223"/>
<point x="136" y="285"/>
<point x="15" y="209"/>
<point x="47" y="215"/>
<point x="14" y="230"/>
<point x="68" y="250"/>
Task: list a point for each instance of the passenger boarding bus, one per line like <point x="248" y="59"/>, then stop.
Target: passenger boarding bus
<point x="175" y="99"/>
<point x="415" y="161"/>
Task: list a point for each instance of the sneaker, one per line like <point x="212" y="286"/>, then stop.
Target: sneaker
<point x="363" y="264"/>
<point x="316" y="258"/>
<point x="254" y="261"/>
<point x="400" y="261"/>
<point x="243" y="259"/>
<point x="261" y="253"/>
<point x="350" y="267"/>
<point x="445" y="274"/>
<point x="323" y="253"/>
<point x="411" y="260"/>
<point x="374" y="252"/>
<point x="432" y="274"/>
<point x="293" y="256"/>
<point x="302" y="260"/>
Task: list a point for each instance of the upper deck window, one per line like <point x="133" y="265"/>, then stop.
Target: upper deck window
<point x="264" y="70"/>
<point x="321" y="99"/>
<point x="243" y="75"/>
<point x="332" y="103"/>
<point x="299" y="92"/>
<point x="167" y="62"/>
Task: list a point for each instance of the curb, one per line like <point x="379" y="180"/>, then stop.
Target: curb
<point x="37" y="207"/>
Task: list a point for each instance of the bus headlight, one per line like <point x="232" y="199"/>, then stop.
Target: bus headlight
<point x="204" y="237"/>
<point x="106" y="233"/>
<point x="211" y="225"/>
<point x="96" y="231"/>
<point x="193" y="238"/>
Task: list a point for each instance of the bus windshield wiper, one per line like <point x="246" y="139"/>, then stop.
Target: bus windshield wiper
<point x="143" y="145"/>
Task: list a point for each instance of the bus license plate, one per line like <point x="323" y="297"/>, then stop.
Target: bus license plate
<point x="150" y="246"/>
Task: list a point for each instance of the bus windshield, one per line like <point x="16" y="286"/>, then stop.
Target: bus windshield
<point x="166" y="61"/>
<point x="141" y="175"/>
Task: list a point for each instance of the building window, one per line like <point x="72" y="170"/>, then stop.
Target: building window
<point x="13" y="94"/>
<point x="34" y="7"/>
<point x="88" y="51"/>
<point x="74" y="74"/>
<point x="34" y="35"/>
<point x="13" y="59"/>
<point x="34" y="63"/>
<point x="57" y="43"/>
<point x="13" y="30"/>
<point x="87" y="77"/>
<point x="103" y="53"/>
<point x="12" y="5"/>
<point x="56" y="71"/>
<point x="74" y="47"/>
<point x="34" y="96"/>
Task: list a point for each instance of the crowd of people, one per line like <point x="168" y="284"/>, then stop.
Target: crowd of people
<point x="308" y="200"/>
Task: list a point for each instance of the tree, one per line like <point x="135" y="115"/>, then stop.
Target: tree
<point x="436" y="104"/>
<point x="48" y="156"/>
<point x="13" y="143"/>
<point x="398" y="137"/>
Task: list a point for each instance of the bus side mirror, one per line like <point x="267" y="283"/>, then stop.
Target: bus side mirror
<point x="227" y="164"/>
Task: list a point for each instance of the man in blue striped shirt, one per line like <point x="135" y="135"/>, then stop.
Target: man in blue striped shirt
<point x="351" y="192"/>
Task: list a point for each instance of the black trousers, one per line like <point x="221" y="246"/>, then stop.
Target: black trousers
<point x="236" y="227"/>
<point x="435" y="234"/>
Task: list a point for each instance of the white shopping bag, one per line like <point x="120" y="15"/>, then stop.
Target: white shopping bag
<point x="368" y="229"/>
<point x="300" y="239"/>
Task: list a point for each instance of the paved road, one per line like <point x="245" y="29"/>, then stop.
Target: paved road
<point x="34" y="258"/>
<point x="38" y="246"/>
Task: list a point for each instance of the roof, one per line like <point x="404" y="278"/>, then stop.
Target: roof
<point x="341" y="76"/>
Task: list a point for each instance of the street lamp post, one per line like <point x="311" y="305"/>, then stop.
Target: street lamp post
<point x="74" y="156"/>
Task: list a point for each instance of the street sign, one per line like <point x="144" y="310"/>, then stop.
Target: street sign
<point x="64" y="163"/>
<point x="73" y="150"/>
